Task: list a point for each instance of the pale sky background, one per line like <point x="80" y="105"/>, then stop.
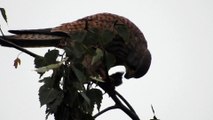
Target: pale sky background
<point x="179" y="83"/>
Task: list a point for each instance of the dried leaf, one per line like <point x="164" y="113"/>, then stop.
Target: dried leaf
<point x="17" y="62"/>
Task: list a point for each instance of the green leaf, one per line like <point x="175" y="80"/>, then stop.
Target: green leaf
<point x="79" y="74"/>
<point x="52" y="107"/>
<point x="47" y="81"/>
<point x="48" y="94"/>
<point x="85" y="97"/>
<point x="72" y="97"/>
<point x="48" y="67"/>
<point x="51" y="56"/>
<point x="98" y="56"/>
<point x="3" y="13"/>
<point x="51" y="66"/>
<point x="97" y="78"/>
<point x="96" y="97"/>
<point x="39" y="62"/>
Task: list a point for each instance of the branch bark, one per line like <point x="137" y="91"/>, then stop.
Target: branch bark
<point x="125" y="109"/>
<point x="18" y="47"/>
<point x="108" y="88"/>
<point x="105" y="110"/>
<point x="125" y="101"/>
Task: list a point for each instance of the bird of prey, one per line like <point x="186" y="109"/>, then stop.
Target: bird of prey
<point x="134" y="54"/>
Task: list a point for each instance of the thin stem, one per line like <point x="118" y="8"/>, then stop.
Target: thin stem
<point x="19" y="48"/>
<point x="1" y="31"/>
<point x="125" y="101"/>
<point x="125" y="109"/>
<point x="111" y="91"/>
<point x="105" y="110"/>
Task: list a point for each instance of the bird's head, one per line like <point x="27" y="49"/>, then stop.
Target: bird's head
<point x="138" y="66"/>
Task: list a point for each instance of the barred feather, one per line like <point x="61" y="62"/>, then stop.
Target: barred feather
<point x="134" y="55"/>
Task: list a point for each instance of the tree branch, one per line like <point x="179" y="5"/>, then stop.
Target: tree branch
<point x="125" y="101"/>
<point x="108" y="88"/>
<point x="105" y="110"/>
<point x="19" y="48"/>
<point x="125" y="109"/>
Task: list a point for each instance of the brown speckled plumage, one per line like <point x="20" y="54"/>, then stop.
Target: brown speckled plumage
<point x="103" y="21"/>
<point x="137" y="60"/>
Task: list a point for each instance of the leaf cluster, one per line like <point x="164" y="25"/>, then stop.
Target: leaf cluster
<point x="66" y="88"/>
<point x="69" y="92"/>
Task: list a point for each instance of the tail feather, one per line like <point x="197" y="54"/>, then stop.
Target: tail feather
<point x="31" y="31"/>
<point x="46" y="31"/>
<point x="33" y="38"/>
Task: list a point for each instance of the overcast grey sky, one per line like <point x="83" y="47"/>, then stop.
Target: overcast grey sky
<point x="180" y="37"/>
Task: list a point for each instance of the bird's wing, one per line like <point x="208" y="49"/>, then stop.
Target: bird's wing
<point x="134" y="54"/>
<point x="104" y="21"/>
<point x="138" y="57"/>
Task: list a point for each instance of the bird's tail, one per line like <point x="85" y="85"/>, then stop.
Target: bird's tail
<point x="32" y="38"/>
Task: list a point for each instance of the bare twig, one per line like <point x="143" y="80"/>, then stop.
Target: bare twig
<point x="125" y="109"/>
<point x="154" y="117"/>
<point x="1" y="31"/>
<point x="125" y="101"/>
<point x="19" y="48"/>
